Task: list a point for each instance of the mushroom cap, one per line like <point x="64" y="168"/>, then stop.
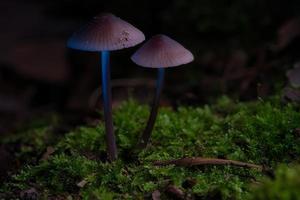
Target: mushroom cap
<point x="105" y="32"/>
<point x="161" y="51"/>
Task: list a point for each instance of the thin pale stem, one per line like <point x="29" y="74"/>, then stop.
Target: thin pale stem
<point x="154" y="110"/>
<point x="106" y="91"/>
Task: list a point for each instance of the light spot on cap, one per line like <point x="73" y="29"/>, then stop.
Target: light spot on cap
<point x="106" y="32"/>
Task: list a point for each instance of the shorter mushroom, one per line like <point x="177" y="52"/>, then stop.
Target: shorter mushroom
<point x="159" y="52"/>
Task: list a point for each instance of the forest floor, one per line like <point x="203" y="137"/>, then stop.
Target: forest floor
<point x="49" y="164"/>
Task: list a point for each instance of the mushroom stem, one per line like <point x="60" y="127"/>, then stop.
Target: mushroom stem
<point x="150" y="124"/>
<point x="106" y="91"/>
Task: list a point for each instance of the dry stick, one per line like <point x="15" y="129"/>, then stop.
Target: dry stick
<point x="196" y="161"/>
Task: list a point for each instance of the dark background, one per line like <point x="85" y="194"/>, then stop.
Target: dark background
<point x="241" y="48"/>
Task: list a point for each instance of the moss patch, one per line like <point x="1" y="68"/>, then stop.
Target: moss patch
<point x="284" y="186"/>
<point x="259" y="132"/>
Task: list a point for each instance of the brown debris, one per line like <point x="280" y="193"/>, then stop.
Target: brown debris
<point x="290" y="95"/>
<point x="189" y="183"/>
<point x="30" y="194"/>
<point x="50" y="150"/>
<point x="175" y="192"/>
<point x="82" y="183"/>
<point x="155" y="195"/>
<point x="296" y="132"/>
<point x="197" y="161"/>
<point x="293" y="76"/>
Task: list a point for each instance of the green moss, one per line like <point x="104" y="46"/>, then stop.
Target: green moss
<point x="257" y="132"/>
<point x="28" y="143"/>
<point x="60" y="173"/>
<point x="285" y="186"/>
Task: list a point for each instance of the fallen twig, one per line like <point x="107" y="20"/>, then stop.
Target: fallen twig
<point x="196" y="161"/>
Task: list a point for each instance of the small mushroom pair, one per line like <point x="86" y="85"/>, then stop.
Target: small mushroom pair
<point x="106" y="33"/>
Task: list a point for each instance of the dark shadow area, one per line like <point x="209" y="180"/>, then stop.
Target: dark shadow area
<point x="242" y="49"/>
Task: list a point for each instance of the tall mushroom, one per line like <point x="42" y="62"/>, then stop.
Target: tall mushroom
<point x="159" y="52"/>
<point x="105" y="33"/>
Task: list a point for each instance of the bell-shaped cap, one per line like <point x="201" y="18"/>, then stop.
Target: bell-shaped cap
<point x="106" y="32"/>
<point x="162" y="51"/>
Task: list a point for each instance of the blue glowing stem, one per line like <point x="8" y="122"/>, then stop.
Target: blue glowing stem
<point x="106" y="92"/>
<point x="154" y="110"/>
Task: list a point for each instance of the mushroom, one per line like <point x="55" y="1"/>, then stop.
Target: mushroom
<point x="105" y="33"/>
<point x="159" y="52"/>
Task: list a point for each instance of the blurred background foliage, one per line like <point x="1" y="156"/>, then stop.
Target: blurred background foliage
<point x="242" y="49"/>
